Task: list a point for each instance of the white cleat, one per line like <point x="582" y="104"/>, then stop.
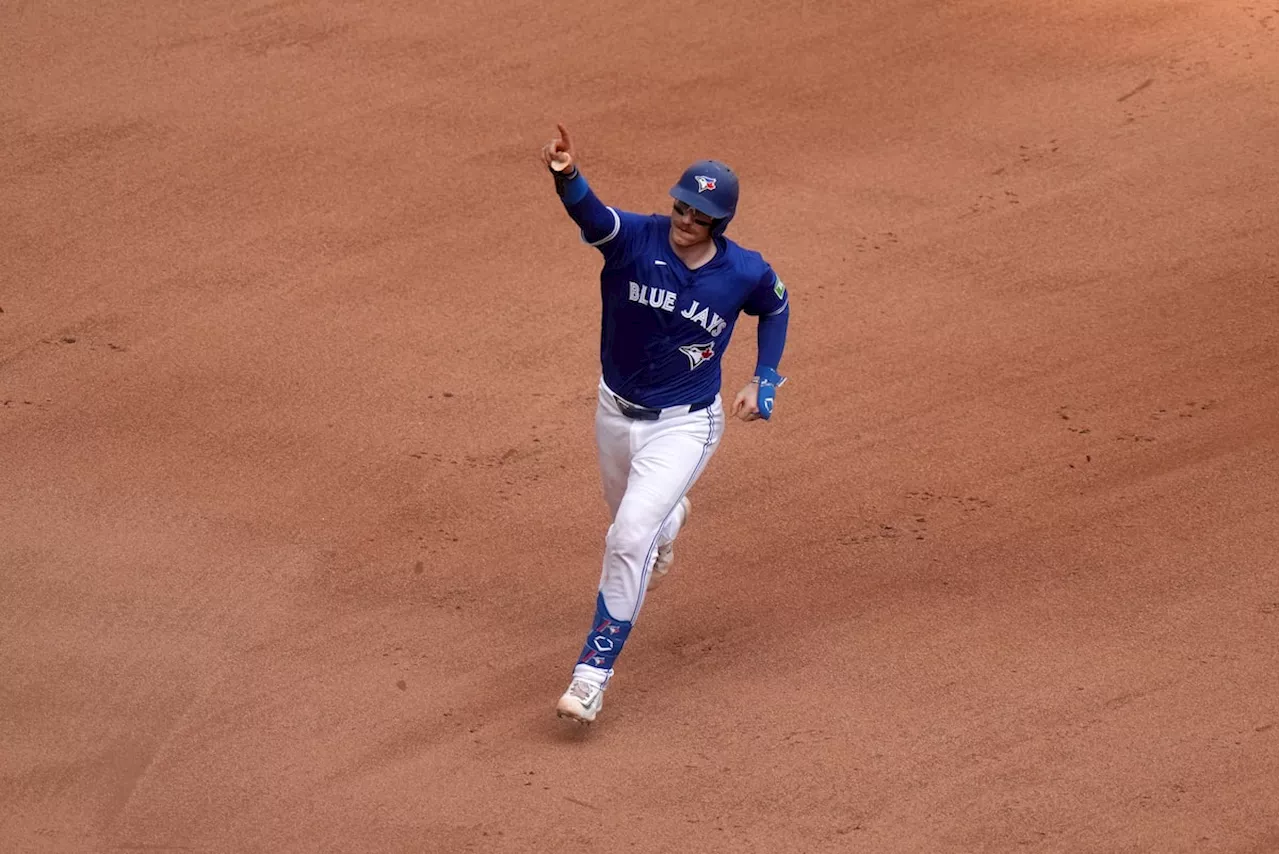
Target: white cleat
<point x="667" y="552"/>
<point x="581" y="702"/>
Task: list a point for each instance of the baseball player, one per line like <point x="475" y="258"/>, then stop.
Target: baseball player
<point x="672" y="287"/>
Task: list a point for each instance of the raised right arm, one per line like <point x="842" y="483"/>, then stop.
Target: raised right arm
<point x="599" y="223"/>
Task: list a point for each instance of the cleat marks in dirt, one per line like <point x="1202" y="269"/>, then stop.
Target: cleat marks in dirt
<point x="1163" y="416"/>
<point x="919" y="512"/>
<point x="988" y="202"/>
<point x="875" y="242"/>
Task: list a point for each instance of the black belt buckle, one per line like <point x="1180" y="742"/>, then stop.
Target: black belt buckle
<point x="636" y="413"/>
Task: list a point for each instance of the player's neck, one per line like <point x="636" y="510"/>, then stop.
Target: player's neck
<point x="697" y="255"/>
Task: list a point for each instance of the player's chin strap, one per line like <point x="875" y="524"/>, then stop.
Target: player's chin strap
<point x="769" y="381"/>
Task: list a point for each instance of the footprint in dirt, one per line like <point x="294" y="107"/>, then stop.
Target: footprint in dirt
<point x="1188" y="409"/>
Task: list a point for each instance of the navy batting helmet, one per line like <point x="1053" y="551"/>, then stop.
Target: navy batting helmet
<point x="710" y="187"/>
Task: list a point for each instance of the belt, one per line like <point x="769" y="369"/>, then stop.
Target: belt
<point x="649" y="413"/>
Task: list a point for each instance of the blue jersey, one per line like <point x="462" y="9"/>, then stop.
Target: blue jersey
<point x="664" y="327"/>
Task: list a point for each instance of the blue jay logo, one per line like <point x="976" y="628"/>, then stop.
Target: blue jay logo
<point x="698" y="353"/>
<point x="705" y="183"/>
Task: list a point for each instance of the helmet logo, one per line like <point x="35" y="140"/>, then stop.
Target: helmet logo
<point x="705" y="183"/>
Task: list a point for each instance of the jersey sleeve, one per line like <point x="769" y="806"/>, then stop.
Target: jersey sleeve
<point x="768" y="297"/>
<point x="615" y="233"/>
<point x="622" y="242"/>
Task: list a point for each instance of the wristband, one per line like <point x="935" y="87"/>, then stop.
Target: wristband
<point x="563" y="179"/>
<point x="769" y="380"/>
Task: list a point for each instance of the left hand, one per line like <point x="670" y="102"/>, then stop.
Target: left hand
<point x="745" y="405"/>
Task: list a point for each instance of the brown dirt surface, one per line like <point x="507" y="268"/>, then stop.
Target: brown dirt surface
<point x="299" y="518"/>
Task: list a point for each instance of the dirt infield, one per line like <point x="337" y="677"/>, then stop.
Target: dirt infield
<point x="299" y="518"/>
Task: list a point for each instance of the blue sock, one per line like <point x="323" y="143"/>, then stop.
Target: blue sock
<point x="606" y="638"/>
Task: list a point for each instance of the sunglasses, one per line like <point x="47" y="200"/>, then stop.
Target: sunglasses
<point x="698" y="218"/>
